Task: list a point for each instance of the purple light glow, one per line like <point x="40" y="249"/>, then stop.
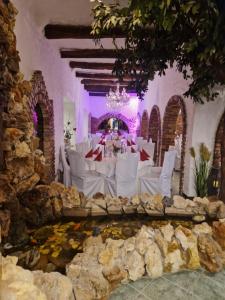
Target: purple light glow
<point x="134" y="103"/>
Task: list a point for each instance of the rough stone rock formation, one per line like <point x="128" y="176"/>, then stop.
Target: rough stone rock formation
<point x="219" y="233"/>
<point x="199" y="206"/>
<point x="17" y="141"/>
<point x="17" y="283"/>
<point x="45" y="203"/>
<point x="96" y="271"/>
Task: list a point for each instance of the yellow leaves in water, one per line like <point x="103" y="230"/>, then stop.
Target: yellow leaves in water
<point x="54" y="243"/>
<point x="115" y="232"/>
<point x="74" y="244"/>
<point x="88" y="232"/>
<point x="56" y="251"/>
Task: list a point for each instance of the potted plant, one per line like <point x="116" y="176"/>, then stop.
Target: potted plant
<point x="68" y="133"/>
<point x="201" y="169"/>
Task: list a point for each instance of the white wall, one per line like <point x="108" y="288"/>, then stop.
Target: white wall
<point x="37" y="53"/>
<point x="98" y="107"/>
<point x="205" y="124"/>
<point x="202" y="120"/>
<point x="159" y="92"/>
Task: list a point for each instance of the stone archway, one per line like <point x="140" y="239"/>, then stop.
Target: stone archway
<point x="144" y="125"/>
<point x="218" y="143"/>
<point x="131" y="123"/>
<point x="154" y="131"/>
<point x="39" y="98"/>
<point x="175" y="112"/>
<point x="219" y="154"/>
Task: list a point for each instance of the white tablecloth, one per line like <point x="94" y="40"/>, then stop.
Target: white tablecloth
<point x="107" y="166"/>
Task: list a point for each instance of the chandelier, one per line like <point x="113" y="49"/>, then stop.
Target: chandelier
<point x="116" y="100"/>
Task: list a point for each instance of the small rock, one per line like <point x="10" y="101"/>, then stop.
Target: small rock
<point x="198" y="218"/>
<point x="221" y="212"/>
<point x="202" y="228"/>
<point x="179" y="202"/>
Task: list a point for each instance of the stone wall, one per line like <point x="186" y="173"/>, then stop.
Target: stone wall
<point x="39" y="95"/>
<point x="174" y="106"/>
<point x="155" y="131"/>
<point x="218" y="143"/>
<point x="22" y="165"/>
<point x="144" y="125"/>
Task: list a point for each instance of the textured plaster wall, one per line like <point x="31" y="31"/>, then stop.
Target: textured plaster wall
<point x="37" y="53"/>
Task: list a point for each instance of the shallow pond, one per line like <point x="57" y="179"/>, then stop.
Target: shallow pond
<point x="53" y="246"/>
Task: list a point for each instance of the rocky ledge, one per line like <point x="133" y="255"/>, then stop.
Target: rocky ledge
<point x="102" y="266"/>
<point x="152" y="205"/>
<point x="95" y="272"/>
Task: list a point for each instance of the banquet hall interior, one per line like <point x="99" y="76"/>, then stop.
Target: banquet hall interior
<point x="106" y="193"/>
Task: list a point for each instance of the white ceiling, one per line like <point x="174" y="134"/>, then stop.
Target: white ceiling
<point x="74" y="12"/>
<point x="69" y="12"/>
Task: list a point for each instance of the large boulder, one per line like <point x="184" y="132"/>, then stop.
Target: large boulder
<point x="210" y="253"/>
<point x="153" y="261"/>
<point x="219" y="233"/>
<point x="18" y="283"/>
<point x="54" y="285"/>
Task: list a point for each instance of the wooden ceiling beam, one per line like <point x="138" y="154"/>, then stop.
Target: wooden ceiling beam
<point x="89" y="53"/>
<point x="104" y="76"/>
<point x="103" y="89"/>
<point x="91" y="65"/>
<point x="103" y="82"/>
<point x="59" y="31"/>
<point x="97" y="94"/>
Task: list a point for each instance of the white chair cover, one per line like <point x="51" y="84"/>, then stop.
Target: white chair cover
<point x="149" y="148"/>
<point x="153" y="184"/>
<point x="130" y="137"/>
<point x="82" y="148"/>
<point x="141" y="143"/>
<point x="64" y="167"/>
<point x="124" y="182"/>
<point x="178" y="156"/>
<point x="95" y="140"/>
<point x="88" y="182"/>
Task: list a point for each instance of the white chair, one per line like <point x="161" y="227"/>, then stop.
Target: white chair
<point x="124" y="182"/>
<point x="95" y="140"/>
<point x="159" y="184"/>
<point x="82" y="148"/>
<point x="149" y="148"/>
<point x="141" y="143"/>
<point x="178" y="157"/>
<point x="64" y="167"/>
<point x="88" y="182"/>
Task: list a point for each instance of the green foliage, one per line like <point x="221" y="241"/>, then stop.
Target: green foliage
<point x="189" y="34"/>
<point x="202" y="169"/>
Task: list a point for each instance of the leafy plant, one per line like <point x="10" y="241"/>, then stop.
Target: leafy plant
<point x="202" y="169"/>
<point x="188" y="34"/>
